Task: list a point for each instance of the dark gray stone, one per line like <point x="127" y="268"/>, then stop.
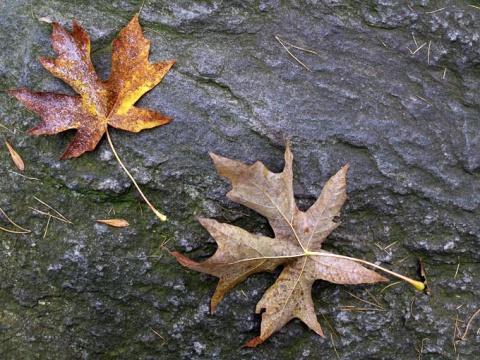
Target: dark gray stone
<point x="407" y="123"/>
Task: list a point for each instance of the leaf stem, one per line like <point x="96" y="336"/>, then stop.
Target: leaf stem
<point x="416" y="284"/>
<point x="158" y="213"/>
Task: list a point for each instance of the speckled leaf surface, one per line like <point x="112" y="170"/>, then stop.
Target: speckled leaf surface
<point x="100" y="103"/>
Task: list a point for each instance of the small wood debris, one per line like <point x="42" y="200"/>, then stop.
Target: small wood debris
<point x="114" y="222"/>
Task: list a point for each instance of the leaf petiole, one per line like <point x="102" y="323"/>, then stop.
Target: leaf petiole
<point x="416" y="284"/>
<point x="158" y="213"/>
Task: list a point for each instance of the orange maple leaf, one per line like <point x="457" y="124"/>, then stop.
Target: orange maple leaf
<point x="296" y="246"/>
<point x="100" y="102"/>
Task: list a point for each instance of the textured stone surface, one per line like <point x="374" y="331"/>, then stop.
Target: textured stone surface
<point x="407" y="123"/>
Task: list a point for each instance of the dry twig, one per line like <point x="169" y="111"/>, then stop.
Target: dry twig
<point x="469" y="323"/>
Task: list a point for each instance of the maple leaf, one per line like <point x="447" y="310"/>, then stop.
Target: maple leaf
<point x="296" y="246"/>
<point x="100" y="103"/>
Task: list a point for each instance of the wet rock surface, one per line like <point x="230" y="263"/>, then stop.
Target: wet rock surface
<point x="393" y="89"/>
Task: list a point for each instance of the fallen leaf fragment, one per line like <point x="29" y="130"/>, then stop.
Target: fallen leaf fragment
<point x="423" y="276"/>
<point x="296" y="246"/>
<point x="115" y="222"/>
<point x="100" y="103"/>
<point x="17" y="159"/>
<point x="45" y="19"/>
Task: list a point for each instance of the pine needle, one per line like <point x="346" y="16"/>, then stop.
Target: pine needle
<point x="376" y="304"/>
<point x="13" y="231"/>
<point x="435" y="11"/>
<point x="417" y="48"/>
<point x="334" y="347"/>
<point x="428" y="52"/>
<point x="284" y="43"/>
<point x="62" y="218"/>
<point x="49" y="215"/>
<point x="456" y="271"/>
<point x="22" y="230"/>
<point x="13" y="223"/>
<point x="160" y="336"/>
<point x="469" y="322"/>
<point x="6" y="128"/>
<point x="389" y="285"/>
<point x="26" y="177"/>
<point x="46" y="228"/>
<point x="420" y="351"/>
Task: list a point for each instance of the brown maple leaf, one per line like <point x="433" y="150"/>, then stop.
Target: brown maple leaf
<point x="100" y="102"/>
<point x="296" y="246"/>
